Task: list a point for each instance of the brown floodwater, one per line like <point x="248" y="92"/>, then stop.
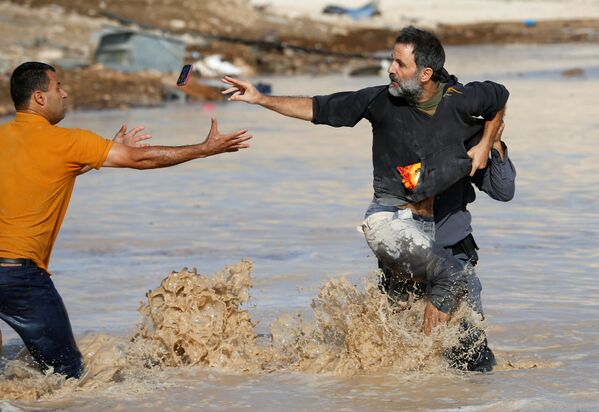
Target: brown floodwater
<point x="290" y="205"/>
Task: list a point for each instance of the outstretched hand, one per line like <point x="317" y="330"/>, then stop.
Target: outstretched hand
<point x="130" y="138"/>
<point x="127" y="138"/>
<point x="242" y="90"/>
<point x="217" y="143"/>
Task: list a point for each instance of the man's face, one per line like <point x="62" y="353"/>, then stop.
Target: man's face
<point x="404" y="73"/>
<point x="54" y="104"/>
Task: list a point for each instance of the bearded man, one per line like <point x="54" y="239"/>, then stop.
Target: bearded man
<point x="429" y="131"/>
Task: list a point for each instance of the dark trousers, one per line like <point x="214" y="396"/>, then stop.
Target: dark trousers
<point x="31" y="305"/>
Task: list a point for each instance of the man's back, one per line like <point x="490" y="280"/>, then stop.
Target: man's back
<point x="38" y="165"/>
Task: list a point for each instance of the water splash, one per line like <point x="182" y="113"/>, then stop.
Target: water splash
<point x="199" y="321"/>
<point x="195" y="320"/>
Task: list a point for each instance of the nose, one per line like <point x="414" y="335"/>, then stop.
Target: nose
<point x="390" y="68"/>
<point x="64" y="94"/>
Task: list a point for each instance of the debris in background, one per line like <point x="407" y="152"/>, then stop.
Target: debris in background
<point x="216" y="66"/>
<point x="134" y="51"/>
<point x="367" y="11"/>
<point x="574" y="72"/>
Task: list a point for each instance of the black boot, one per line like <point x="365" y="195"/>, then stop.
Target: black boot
<point x="472" y="352"/>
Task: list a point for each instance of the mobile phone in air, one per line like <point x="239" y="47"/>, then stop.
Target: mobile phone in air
<point x="185" y="75"/>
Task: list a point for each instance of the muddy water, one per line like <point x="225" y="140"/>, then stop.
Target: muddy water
<point x="290" y="204"/>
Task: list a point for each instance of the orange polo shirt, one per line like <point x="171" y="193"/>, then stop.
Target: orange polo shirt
<point x="38" y="166"/>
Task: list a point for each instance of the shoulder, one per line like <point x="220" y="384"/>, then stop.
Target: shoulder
<point x="486" y="88"/>
<point x="375" y="91"/>
<point x="455" y="92"/>
<point x="365" y="93"/>
<point x="78" y="140"/>
<point x="482" y="97"/>
<point x="76" y="134"/>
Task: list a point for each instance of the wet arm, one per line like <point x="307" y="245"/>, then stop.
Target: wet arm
<point x="433" y="317"/>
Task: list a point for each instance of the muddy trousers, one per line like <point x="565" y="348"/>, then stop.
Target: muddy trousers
<point x="400" y="289"/>
<point x="31" y="305"/>
<point x="405" y="244"/>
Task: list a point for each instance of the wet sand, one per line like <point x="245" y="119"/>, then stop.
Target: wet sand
<point x="291" y="203"/>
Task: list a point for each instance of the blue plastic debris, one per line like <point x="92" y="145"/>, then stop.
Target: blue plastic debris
<point x="366" y="11"/>
<point x="264" y="88"/>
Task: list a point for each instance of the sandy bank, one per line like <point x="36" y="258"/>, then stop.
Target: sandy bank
<point x="286" y="36"/>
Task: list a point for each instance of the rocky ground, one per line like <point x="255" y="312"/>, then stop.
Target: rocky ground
<point x="63" y="31"/>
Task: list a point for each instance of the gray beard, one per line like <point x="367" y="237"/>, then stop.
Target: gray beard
<point x="411" y="90"/>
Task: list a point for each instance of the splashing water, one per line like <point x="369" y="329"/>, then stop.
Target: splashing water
<point x="195" y="320"/>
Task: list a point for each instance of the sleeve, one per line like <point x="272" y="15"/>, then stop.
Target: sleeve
<point x="87" y="149"/>
<point x="498" y="179"/>
<point x="485" y="99"/>
<point x="344" y="108"/>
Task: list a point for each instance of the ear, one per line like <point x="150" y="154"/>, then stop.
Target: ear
<point x="38" y="98"/>
<point x="426" y="74"/>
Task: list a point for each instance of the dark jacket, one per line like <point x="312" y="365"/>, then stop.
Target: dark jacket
<point x="404" y="135"/>
<point x="452" y="218"/>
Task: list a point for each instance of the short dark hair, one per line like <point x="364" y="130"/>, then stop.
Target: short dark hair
<point x="26" y="79"/>
<point x="428" y="50"/>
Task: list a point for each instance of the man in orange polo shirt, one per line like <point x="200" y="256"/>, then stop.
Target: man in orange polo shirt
<point x="39" y="162"/>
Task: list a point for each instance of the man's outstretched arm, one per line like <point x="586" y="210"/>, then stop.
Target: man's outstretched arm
<point x="128" y="138"/>
<point x="152" y="157"/>
<point x="299" y="107"/>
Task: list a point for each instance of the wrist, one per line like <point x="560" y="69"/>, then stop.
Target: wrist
<point x="500" y="148"/>
<point x="261" y="100"/>
<point x="202" y="150"/>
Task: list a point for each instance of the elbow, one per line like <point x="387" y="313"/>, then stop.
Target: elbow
<point x="505" y="195"/>
<point x="510" y="191"/>
<point x="510" y="194"/>
<point x="137" y="158"/>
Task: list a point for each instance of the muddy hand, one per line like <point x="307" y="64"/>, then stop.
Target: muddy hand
<point x="433" y="317"/>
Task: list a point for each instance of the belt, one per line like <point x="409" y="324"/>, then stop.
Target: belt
<point x="19" y="261"/>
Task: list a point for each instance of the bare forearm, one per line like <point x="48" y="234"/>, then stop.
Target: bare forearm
<point x="498" y="145"/>
<point x="298" y="107"/>
<point x="491" y="128"/>
<point x="154" y="157"/>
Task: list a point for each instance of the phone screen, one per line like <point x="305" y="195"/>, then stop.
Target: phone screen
<point x="185" y="75"/>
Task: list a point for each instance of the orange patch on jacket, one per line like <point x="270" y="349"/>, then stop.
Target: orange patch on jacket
<point x="410" y="174"/>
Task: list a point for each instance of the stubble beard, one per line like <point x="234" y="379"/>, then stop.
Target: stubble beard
<point x="411" y="90"/>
